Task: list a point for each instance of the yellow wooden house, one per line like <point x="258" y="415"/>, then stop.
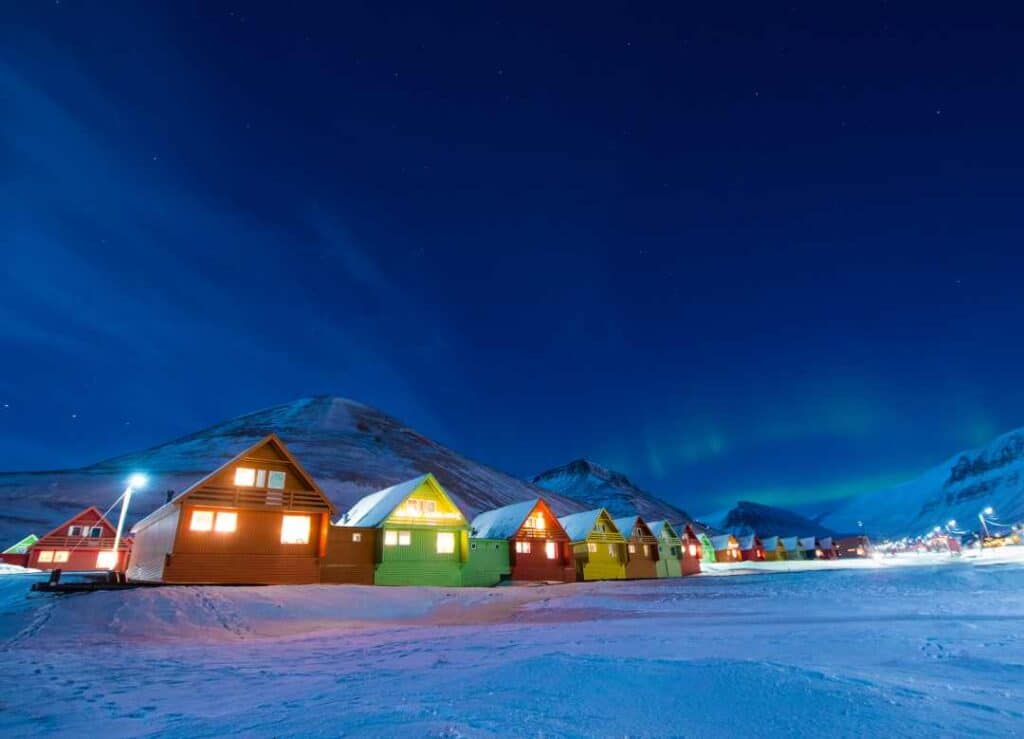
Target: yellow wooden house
<point x="599" y="549"/>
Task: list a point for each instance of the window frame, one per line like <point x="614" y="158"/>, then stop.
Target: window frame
<point x="197" y="515"/>
<point x="296" y="517"/>
<point x="449" y="538"/>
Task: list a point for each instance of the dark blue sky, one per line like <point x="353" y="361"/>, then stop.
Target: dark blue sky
<point x="735" y="252"/>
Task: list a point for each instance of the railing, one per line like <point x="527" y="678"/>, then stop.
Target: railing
<point x="257" y="498"/>
<point x="77" y="542"/>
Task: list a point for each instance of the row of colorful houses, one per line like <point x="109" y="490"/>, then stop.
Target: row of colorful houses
<point x="752" y="548"/>
<point x="262" y="519"/>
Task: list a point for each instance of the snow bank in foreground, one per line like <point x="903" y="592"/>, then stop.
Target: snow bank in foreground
<point x="886" y="651"/>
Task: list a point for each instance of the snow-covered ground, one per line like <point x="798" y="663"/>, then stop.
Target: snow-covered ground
<point x="936" y="649"/>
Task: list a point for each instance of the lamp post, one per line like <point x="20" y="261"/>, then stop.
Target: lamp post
<point x="135" y="482"/>
<point x="987" y="511"/>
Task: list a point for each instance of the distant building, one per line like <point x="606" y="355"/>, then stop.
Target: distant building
<point x="83" y="543"/>
<point x="537" y="546"/>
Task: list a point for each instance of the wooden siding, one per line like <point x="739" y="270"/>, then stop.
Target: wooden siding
<point x="691" y="553"/>
<point x="419" y="563"/>
<point x="151" y="546"/>
<point x="225" y="569"/>
<point x="351" y="555"/>
<point x="487" y="562"/>
<point x="669" y="554"/>
<point x="642" y="562"/>
<point x="535" y="565"/>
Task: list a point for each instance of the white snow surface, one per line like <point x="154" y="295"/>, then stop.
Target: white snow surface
<point x="933" y="650"/>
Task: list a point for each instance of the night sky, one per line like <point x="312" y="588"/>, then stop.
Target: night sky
<point x="737" y="251"/>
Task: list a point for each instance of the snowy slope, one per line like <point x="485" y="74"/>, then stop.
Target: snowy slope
<point x="595" y="486"/>
<point x="957" y="489"/>
<point x="350" y="449"/>
<point x="748" y="517"/>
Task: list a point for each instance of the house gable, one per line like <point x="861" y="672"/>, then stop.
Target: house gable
<point x="417" y="502"/>
<point x="91" y="517"/>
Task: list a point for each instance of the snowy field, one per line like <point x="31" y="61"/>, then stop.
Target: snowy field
<point x="898" y="651"/>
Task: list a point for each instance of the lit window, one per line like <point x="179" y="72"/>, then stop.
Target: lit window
<point x="357" y="537"/>
<point x="632" y="548"/>
<point x="75" y="531"/>
<point x="611" y="550"/>
<point x="227" y="522"/>
<point x="418" y="507"/>
<point x="106" y="560"/>
<point x="46" y="556"/>
<point x="647" y="550"/>
<point x="445" y="542"/>
<point x="536" y="521"/>
<point x="276" y="480"/>
<point x="693" y="550"/>
<point x="551" y="550"/>
<point x="522" y="547"/>
<point x="404" y="539"/>
<point x="295" y="529"/>
<point x="390" y="538"/>
<point x="60" y="556"/>
<point x="245" y="477"/>
<point x="592" y="547"/>
<point x="96" y="532"/>
<point x="261" y="478"/>
<point x="201" y="521"/>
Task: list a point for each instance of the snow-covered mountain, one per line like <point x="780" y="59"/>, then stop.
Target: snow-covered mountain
<point x="754" y="518"/>
<point x="595" y="486"/>
<point x="349" y="448"/>
<point x="956" y="489"/>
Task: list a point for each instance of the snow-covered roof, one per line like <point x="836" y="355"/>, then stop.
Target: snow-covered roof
<point x="502" y="523"/>
<point x="721" y="542"/>
<point x="747" y="542"/>
<point x="771" y="542"/>
<point x="662" y="528"/>
<point x="808" y="542"/>
<point x="375" y="507"/>
<point x="625" y="525"/>
<point x="825" y="542"/>
<point x="790" y="543"/>
<point x="579" y="525"/>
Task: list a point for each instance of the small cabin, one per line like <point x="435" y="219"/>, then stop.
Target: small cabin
<point x="641" y="548"/>
<point x="692" y="553"/>
<point x="774" y="548"/>
<point x="599" y="549"/>
<point x="537" y="546"/>
<point x="670" y="549"/>
<point x="727" y="548"/>
<point x="808" y="547"/>
<point x="707" y="548"/>
<point x="751" y="548"/>
<point x="17" y="554"/>
<point x="424" y="537"/>
<point x="853" y="547"/>
<point x="793" y="549"/>
<point x="83" y="543"/>
<point x="826" y="548"/>
<point x="258" y="519"/>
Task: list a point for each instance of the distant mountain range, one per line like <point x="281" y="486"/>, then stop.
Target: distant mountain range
<point x="595" y="486"/>
<point x="754" y="518"/>
<point x="958" y="489"/>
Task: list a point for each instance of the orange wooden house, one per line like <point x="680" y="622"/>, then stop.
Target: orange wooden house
<point x="691" y="551"/>
<point x="258" y="519"/>
<point x="641" y="547"/>
<point x="83" y="543"/>
<point x="539" y="548"/>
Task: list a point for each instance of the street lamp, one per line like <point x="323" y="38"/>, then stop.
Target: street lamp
<point x="135" y="482"/>
<point x="987" y="511"/>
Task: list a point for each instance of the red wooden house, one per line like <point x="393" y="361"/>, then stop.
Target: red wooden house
<point x="539" y="548"/>
<point x="691" y="552"/>
<point x="827" y="548"/>
<point x="82" y="543"/>
<point x="751" y="548"/>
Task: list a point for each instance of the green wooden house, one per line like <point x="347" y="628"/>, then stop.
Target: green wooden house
<point x="669" y="549"/>
<point x="424" y="537"/>
<point x="707" y="548"/>
<point x="598" y="547"/>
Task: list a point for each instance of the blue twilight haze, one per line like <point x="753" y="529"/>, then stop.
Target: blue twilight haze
<point x="758" y="251"/>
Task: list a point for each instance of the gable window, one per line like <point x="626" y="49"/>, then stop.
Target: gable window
<point x="201" y="521"/>
<point x="592" y="547"/>
<point x="45" y="555"/>
<point x="445" y="542"/>
<point x="226" y="522"/>
<point x="76" y="531"/>
<point x="245" y="477"/>
<point x="357" y="536"/>
<point x="275" y="480"/>
<point x="96" y="532"/>
<point x="60" y="556"/>
<point x="106" y="560"/>
<point x="536" y="521"/>
<point x="418" y="507"/>
<point x="295" y="529"/>
<point x="550" y="550"/>
<point x="522" y="547"/>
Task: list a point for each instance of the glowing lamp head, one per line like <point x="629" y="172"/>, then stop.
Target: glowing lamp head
<point x="137" y="481"/>
<point x="952" y="523"/>
<point x="988" y="511"/>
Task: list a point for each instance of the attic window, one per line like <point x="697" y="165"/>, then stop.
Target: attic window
<point x="95" y="532"/>
<point x="275" y="480"/>
<point x="76" y="531"/>
<point x="245" y="477"/>
<point x="536" y="521"/>
<point x="416" y="507"/>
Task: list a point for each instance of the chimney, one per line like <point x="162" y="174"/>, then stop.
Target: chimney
<point x="170" y="494"/>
